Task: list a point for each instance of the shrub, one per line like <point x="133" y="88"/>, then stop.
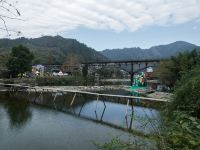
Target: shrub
<point x="63" y="81"/>
<point x="183" y="113"/>
<point x="183" y="131"/>
<point x="187" y="94"/>
<point x="172" y="70"/>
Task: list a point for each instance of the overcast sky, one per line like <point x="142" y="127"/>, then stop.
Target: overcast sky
<point x="105" y="24"/>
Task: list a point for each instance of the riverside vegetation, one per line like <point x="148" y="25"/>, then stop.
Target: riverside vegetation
<point x="180" y="128"/>
<point x="181" y="119"/>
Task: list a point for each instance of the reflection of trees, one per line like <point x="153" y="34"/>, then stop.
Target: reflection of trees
<point x="18" y="111"/>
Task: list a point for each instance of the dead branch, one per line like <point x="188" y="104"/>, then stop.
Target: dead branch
<point x="10" y="12"/>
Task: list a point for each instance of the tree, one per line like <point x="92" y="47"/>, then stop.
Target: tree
<point x="50" y="59"/>
<point x="19" y="61"/>
<point x="183" y="113"/>
<point x="72" y="59"/>
<point x="3" y="60"/>
<point x="71" y="62"/>
<point x="85" y="71"/>
<point x="171" y="71"/>
<point x="187" y="94"/>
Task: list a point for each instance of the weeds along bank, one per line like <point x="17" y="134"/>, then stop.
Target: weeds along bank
<point x="183" y="113"/>
<point x="181" y="117"/>
<point x="51" y="81"/>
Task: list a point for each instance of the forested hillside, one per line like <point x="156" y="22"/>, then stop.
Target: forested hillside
<point x="50" y="49"/>
<point x="161" y="51"/>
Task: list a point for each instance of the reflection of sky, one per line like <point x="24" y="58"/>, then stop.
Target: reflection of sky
<point x="50" y="129"/>
<point x="3" y="122"/>
<point x="115" y="114"/>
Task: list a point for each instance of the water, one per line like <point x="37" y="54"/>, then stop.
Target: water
<point x="39" y="123"/>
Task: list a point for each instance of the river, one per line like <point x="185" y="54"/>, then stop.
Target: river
<point x="33" y="122"/>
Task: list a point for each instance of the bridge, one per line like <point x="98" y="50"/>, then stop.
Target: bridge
<point x="130" y="66"/>
<point x="124" y="61"/>
<point x="71" y="97"/>
<point x="14" y="88"/>
<point x="133" y="65"/>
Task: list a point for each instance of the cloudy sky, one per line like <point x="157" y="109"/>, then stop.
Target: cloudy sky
<point x="105" y="24"/>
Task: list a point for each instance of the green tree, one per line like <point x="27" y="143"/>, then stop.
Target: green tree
<point x="85" y="71"/>
<point x="187" y="94"/>
<point x="171" y="71"/>
<point x="19" y="61"/>
<point x="50" y="59"/>
<point x="183" y="113"/>
<point x="3" y="60"/>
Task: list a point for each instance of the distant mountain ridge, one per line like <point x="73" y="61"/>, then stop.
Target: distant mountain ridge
<point x="56" y="47"/>
<point x="155" y="52"/>
<point x="59" y="47"/>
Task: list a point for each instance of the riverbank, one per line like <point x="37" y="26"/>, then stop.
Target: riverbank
<point x="123" y="89"/>
<point x="88" y="88"/>
<point x="79" y="88"/>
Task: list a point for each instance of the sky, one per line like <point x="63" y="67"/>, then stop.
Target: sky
<point x="106" y="24"/>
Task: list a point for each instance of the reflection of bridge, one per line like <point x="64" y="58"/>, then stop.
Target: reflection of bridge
<point x="131" y="66"/>
<point x="74" y="101"/>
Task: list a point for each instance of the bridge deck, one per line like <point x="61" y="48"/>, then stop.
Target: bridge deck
<point x="124" y="61"/>
<point x="40" y="89"/>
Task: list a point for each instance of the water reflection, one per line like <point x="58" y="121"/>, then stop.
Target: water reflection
<point x="18" y="112"/>
<point x="108" y="111"/>
<point x="63" y="129"/>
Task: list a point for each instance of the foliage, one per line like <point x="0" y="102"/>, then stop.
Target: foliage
<point x="155" y="52"/>
<point x="71" y="63"/>
<point x="20" y="60"/>
<point x="76" y="80"/>
<point x="166" y="76"/>
<point x="171" y="71"/>
<point x="50" y="59"/>
<point x="51" y="81"/>
<point x="3" y="60"/>
<point x="109" y="72"/>
<point x="187" y="94"/>
<point x="71" y="59"/>
<point x="183" y="113"/>
<point x="85" y="71"/>
<point x="118" y="144"/>
<point x="183" y="131"/>
<point x="53" y="49"/>
<point x="3" y="70"/>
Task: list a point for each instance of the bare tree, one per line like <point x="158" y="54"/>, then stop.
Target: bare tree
<point x="8" y="11"/>
<point x="71" y="62"/>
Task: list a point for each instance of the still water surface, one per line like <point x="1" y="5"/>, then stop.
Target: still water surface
<point x="25" y="125"/>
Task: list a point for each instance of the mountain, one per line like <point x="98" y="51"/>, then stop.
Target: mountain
<point x="55" y="48"/>
<point x="161" y="51"/>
